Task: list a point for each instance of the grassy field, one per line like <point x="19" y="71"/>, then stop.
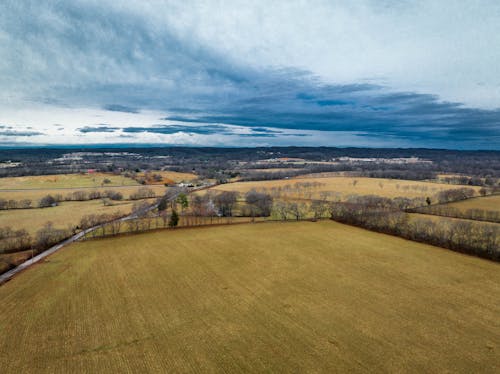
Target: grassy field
<point x="346" y="186"/>
<point x="67" y="213"/>
<point x="157" y="223"/>
<point x="65" y="181"/>
<point x="271" y="297"/>
<point x="167" y="177"/>
<point x="37" y="194"/>
<point x="271" y="170"/>
<point x="444" y="220"/>
<point x="6" y="259"/>
<point x="485" y="203"/>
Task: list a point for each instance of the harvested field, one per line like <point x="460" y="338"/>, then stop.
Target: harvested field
<point x="271" y="297"/>
<point x="484" y="203"/>
<point x="65" y="181"/>
<point x="167" y="176"/>
<point x="37" y="194"/>
<point x="62" y="216"/>
<point x="343" y="186"/>
<point x="10" y="260"/>
<point x="271" y="170"/>
<point x="442" y="220"/>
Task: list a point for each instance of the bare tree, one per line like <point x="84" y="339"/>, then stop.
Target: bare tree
<point x="47" y="201"/>
<point x="297" y="210"/>
<point x="319" y="208"/>
<point x="281" y="209"/>
<point x="260" y="204"/>
<point x="225" y="202"/>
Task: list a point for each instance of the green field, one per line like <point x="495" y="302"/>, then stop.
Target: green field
<point x="269" y="297"/>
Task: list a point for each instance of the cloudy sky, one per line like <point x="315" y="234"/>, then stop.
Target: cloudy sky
<point x="243" y="73"/>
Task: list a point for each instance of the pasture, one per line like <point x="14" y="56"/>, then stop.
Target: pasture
<point x="64" y="215"/>
<point x="342" y="187"/>
<point x="167" y="176"/>
<point x="443" y="221"/>
<point x="65" y="181"/>
<point x="37" y="194"/>
<point x="484" y="203"/>
<point x="270" y="297"/>
<point x="6" y="259"/>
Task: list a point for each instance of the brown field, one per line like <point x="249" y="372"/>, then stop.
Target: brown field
<point x="271" y="170"/>
<point x="64" y="181"/>
<point x="66" y="214"/>
<point x="443" y="220"/>
<point x="271" y="297"/>
<point x="484" y="203"/>
<point x="37" y="194"/>
<point x="168" y="177"/>
<point x="9" y="259"/>
<point x="344" y="186"/>
<point x="156" y="223"/>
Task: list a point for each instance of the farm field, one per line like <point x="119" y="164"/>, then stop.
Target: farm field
<point x="346" y="186"/>
<point x="167" y="177"/>
<point x="65" y="181"/>
<point x="64" y="215"/>
<point x="272" y="170"/>
<point x="485" y="203"/>
<point x="37" y="194"/>
<point x="442" y="220"/>
<point x="6" y="259"/>
<point x="154" y="223"/>
<point x="297" y="297"/>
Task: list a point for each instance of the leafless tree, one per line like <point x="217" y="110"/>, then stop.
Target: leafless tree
<point x="260" y="204"/>
<point x="225" y="202"/>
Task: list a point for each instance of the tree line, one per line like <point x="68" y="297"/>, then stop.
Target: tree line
<point x="453" y="212"/>
<point x="469" y="237"/>
<point x="51" y="200"/>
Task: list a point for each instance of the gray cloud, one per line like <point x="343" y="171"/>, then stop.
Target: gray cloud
<point x="120" y="108"/>
<point x="19" y="133"/>
<point x="100" y="128"/>
<point x="173" y="129"/>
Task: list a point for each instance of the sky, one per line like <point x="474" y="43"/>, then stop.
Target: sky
<point x="367" y="73"/>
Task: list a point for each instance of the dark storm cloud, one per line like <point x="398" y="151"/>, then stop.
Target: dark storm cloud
<point x="173" y="129"/>
<point x="19" y="133"/>
<point x="100" y="128"/>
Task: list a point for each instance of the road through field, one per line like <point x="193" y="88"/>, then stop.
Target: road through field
<point x="11" y="273"/>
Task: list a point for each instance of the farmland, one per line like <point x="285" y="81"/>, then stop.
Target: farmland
<point x="342" y="187"/>
<point x="162" y="177"/>
<point x="64" y="215"/>
<point x="73" y="197"/>
<point x="485" y="203"/>
<point x="263" y="298"/>
<point x="36" y="194"/>
<point x="6" y="259"/>
<point x="65" y="181"/>
<point x="446" y="221"/>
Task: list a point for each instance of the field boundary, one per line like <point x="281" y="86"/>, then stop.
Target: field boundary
<point x="8" y="275"/>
